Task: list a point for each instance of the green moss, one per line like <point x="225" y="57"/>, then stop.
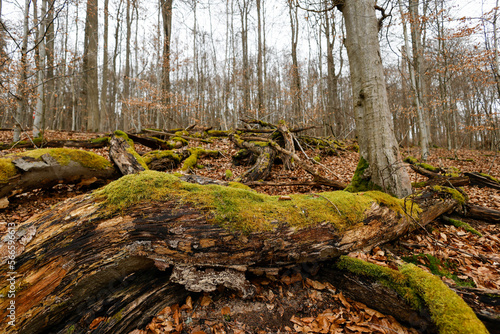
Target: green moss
<point x="131" y="148"/>
<point x="239" y="185"/>
<point x="64" y="155"/>
<point x="437" y="267"/>
<point x="242" y="209"/>
<point x="465" y="226"/>
<point x="448" y="311"/>
<point x="228" y="174"/>
<point x="218" y="133"/>
<point x="490" y="177"/>
<point x="261" y="143"/>
<point x="7" y="170"/>
<point x="428" y="167"/>
<point x="454" y="193"/>
<point x="178" y="139"/>
<point x="71" y="329"/>
<point x="157" y="155"/>
<point x="317" y="158"/>
<point x="359" y="182"/>
<point x="191" y="161"/>
<point x="390" y="278"/>
<point x="418" y="184"/>
<point x="411" y="160"/>
<point x="99" y="140"/>
<point x="182" y="133"/>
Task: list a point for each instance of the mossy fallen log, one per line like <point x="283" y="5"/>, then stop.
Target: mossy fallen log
<point x="123" y="154"/>
<point x="102" y="244"/>
<point x="483" y="180"/>
<point x="40" y="142"/>
<point x="413" y="296"/>
<point x="46" y="167"/>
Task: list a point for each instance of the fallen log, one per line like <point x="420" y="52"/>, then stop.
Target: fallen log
<point x="264" y="160"/>
<point x="481" y="213"/>
<point x="47" y="167"/>
<point x="123" y="154"/>
<point x="114" y="243"/>
<point x="483" y="180"/>
<point x="39" y="143"/>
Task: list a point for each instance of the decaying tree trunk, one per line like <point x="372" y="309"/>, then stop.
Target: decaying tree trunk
<point x="38" y="142"/>
<point x="47" y="167"/>
<point x="117" y="253"/>
<point x="263" y="163"/>
<point x="123" y="154"/>
<point x="482" y="180"/>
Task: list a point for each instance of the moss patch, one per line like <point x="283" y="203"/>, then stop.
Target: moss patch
<point x="7" y="170"/>
<point x="438" y="267"/>
<point x="157" y="155"/>
<point x="228" y="174"/>
<point x="490" y="177"/>
<point x="242" y="209"/>
<point x="465" y="226"/>
<point x="453" y="192"/>
<point x="131" y="148"/>
<point x="428" y="167"/>
<point x="359" y="182"/>
<point x="411" y="160"/>
<point x="448" y="311"/>
<point x="100" y="140"/>
<point x="65" y="155"/>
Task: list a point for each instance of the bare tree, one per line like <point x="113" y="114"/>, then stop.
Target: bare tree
<point x="91" y="90"/>
<point x="377" y="144"/>
<point x="166" y="11"/>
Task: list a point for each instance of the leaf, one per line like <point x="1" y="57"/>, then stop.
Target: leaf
<point x="226" y="310"/>
<point x="315" y="284"/>
<point x="205" y="300"/>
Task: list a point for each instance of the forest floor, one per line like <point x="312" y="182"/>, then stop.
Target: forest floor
<point x="298" y="300"/>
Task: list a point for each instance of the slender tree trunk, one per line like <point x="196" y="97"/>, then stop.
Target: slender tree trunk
<point x="296" y="87"/>
<point x="90" y="75"/>
<point x="377" y="143"/>
<point x="244" y="6"/>
<point x="50" y="86"/>
<point x="112" y="111"/>
<point x="104" y="124"/>
<point x="21" y="86"/>
<point x="166" y="11"/>
<point x="40" y="100"/>
<point x="260" y="85"/>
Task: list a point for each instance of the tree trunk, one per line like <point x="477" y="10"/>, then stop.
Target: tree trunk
<point x="374" y="126"/>
<point x="92" y="257"/>
<point x="104" y="116"/>
<point x="40" y="99"/>
<point x="260" y="84"/>
<point x="91" y="90"/>
<point x="166" y="12"/>
<point x="21" y="86"/>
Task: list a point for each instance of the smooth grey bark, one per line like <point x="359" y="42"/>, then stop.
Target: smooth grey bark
<point x="374" y="125"/>
<point x="295" y="88"/>
<point x="260" y="86"/>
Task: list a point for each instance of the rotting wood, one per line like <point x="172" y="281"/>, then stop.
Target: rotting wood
<point x="476" y="179"/>
<point x="124" y="156"/>
<point x="482" y="213"/>
<point x="45" y="168"/>
<point x="37" y="143"/>
<point x="80" y="249"/>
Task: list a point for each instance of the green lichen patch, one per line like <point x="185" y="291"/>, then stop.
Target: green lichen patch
<point x="196" y="153"/>
<point x="465" y="226"/>
<point x="7" y="170"/>
<point x="228" y="174"/>
<point x="448" y="311"/>
<point x="359" y="181"/>
<point x="131" y="148"/>
<point x="440" y="268"/>
<point x="64" y="155"/>
<point x="181" y="140"/>
<point x="457" y="195"/>
<point x="242" y="209"/>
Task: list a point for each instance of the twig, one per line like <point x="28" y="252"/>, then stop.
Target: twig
<point x="330" y="202"/>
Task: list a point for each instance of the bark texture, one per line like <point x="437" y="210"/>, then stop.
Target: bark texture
<point x="377" y="143"/>
<point x="82" y="260"/>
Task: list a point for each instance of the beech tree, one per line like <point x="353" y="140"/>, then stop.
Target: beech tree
<point x="380" y="162"/>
